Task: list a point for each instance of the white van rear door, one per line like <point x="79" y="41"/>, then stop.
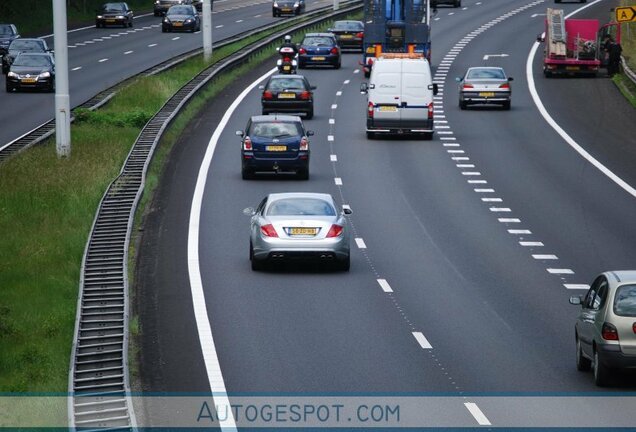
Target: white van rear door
<point x="416" y="96"/>
<point x="386" y="96"/>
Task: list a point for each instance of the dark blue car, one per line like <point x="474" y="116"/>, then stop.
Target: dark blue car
<point x="275" y="144"/>
<point x="318" y="49"/>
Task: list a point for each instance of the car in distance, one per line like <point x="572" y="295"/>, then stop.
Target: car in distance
<point x="181" y="18"/>
<point x="198" y="4"/>
<point x="288" y="94"/>
<point x="114" y="14"/>
<point x="349" y="34"/>
<point x="605" y="330"/>
<point x="298" y="225"/>
<point x="162" y="6"/>
<point x="287" y="7"/>
<point x="8" y="32"/>
<point x="453" y="3"/>
<point x="34" y="71"/>
<point x="485" y="86"/>
<point x="319" y="49"/>
<point x="17" y="46"/>
<point x="275" y="144"/>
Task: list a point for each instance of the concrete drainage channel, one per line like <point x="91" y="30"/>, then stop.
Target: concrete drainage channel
<point x="98" y="378"/>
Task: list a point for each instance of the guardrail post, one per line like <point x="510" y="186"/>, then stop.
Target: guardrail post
<point x="62" y="98"/>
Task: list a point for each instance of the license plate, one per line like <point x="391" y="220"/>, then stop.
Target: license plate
<point x="28" y="80"/>
<point x="110" y="20"/>
<point x="572" y="68"/>
<point x="276" y="148"/>
<point x="177" y="24"/>
<point x="388" y="108"/>
<point x="286" y="9"/>
<point x="286" y="68"/>
<point x="286" y="96"/>
<point x="346" y="36"/>
<point x="370" y="50"/>
<point x="302" y="231"/>
<point x="317" y="58"/>
<point x="486" y="94"/>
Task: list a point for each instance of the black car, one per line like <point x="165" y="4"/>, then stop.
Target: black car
<point x="114" y="14"/>
<point x="162" y="6"/>
<point x="198" y="4"/>
<point x="349" y="34"/>
<point x="32" y="71"/>
<point x="453" y="3"/>
<point x="288" y="94"/>
<point x="275" y="143"/>
<point x="181" y="18"/>
<point x="17" y="46"/>
<point x="8" y="32"/>
<point x="287" y="7"/>
<point x="318" y="49"/>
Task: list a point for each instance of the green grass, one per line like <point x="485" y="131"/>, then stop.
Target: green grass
<point x="626" y="87"/>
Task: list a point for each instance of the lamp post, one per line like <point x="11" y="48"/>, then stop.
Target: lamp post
<point x="62" y="98"/>
<point x="207" y="29"/>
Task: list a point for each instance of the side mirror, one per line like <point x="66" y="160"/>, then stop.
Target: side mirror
<point x="347" y="210"/>
<point x="261" y="87"/>
<point x="249" y="211"/>
<point x="434" y="87"/>
<point x="239" y="133"/>
<point x="364" y="88"/>
<point x="510" y="79"/>
<point x="576" y="300"/>
<point x="312" y="87"/>
<point x="277" y="48"/>
<point x="540" y="38"/>
<point x="458" y="79"/>
<point x="310" y="133"/>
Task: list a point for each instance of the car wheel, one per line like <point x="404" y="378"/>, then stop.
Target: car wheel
<point x="52" y="87"/>
<point x="247" y="174"/>
<point x="310" y="114"/>
<point x="458" y="3"/>
<point x="506" y="105"/>
<point x="303" y="174"/>
<point x="583" y="364"/>
<point x="601" y="372"/>
<point x="125" y="24"/>
<point x="462" y="105"/>
<point x="130" y="23"/>
<point x="370" y="135"/>
<point x="301" y="65"/>
<point x="163" y="30"/>
<point x="345" y="264"/>
<point x="557" y="1"/>
<point x="338" y="65"/>
<point x="428" y="136"/>
<point x="97" y="25"/>
<point x="257" y="265"/>
<point x="9" y="88"/>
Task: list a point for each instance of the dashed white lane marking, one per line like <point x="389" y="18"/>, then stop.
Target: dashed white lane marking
<point x="257" y="16"/>
<point x="360" y="243"/>
<point x="577" y="286"/>
<point x="219" y="26"/>
<point x="346" y="82"/>
<point x="385" y="285"/>
<point x="88" y="42"/>
<point x="559" y="271"/>
<point x="334" y="106"/>
<point x="103" y="60"/>
<point x="531" y="243"/>
<point x="509" y="220"/>
<point x="332" y="121"/>
<point x="448" y="138"/>
<point x="338" y="181"/>
<point x="128" y="52"/>
<point x="329" y="137"/>
<point x="455" y="151"/>
<point x="152" y="45"/>
<point x="477" y="181"/>
<point x="333" y="158"/>
<point x="424" y="343"/>
<point x="355" y="71"/>
<point x="239" y="21"/>
<point x="500" y="209"/>
<point x="491" y="199"/>
<point x="519" y="231"/>
<point x="72" y="46"/>
<point x="338" y="93"/>
<point x="544" y="257"/>
<point x="482" y="420"/>
<point x="176" y="38"/>
<point x="471" y="173"/>
<point x="479" y="190"/>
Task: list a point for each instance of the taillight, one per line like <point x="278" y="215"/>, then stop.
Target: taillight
<point x="609" y="332"/>
<point x="304" y="144"/>
<point x="360" y="35"/>
<point x="430" y="111"/>
<point x="305" y="95"/>
<point x="334" y="50"/>
<point x="268" y="230"/>
<point x="505" y="85"/>
<point x="370" y="110"/>
<point x="634" y="327"/>
<point x="302" y="51"/>
<point x="247" y="144"/>
<point x="335" y="231"/>
<point x="267" y="95"/>
<point x="468" y="86"/>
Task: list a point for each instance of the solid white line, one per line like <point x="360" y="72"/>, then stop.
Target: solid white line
<point x="477" y="414"/>
<point x="577" y="286"/>
<point x="338" y="181"/>
<point x="333" y="158"/>
<point x="210" y="357"/>
<point x="419" y="337"/>
<point x="559" y="271"/>
<point x="519" y="231"/>
<point x="509" y="220"/>
<point x="128" y="52"/>
<point x="544" y="257"/>
<point x="360" y="243"/>
<point x="385" y="285"/>
<point x="531" y="243"/>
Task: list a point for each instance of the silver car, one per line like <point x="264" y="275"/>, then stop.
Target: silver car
<point x="485" y="85"/>
<point x="605" y="329"/>
<point x="299" y="225"/>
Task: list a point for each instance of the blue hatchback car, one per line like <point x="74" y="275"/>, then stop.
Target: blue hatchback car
<point x="275" y="144"/>
<point x="318" y="49"/>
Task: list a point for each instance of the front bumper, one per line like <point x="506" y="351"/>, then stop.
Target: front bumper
<point x="172" y="27"/>
<point x="39" y="84"/>
<point x="110" y="21"/>
<point x="284" y="10"/>
<point x="613" y="357"/>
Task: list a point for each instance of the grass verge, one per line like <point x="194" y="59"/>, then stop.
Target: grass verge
<point x="626" y="87"/>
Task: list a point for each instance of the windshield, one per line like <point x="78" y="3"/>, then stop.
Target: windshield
<point x="318" y="41"/>
<point x="6" y="30"/>
<point x="26" y="45"/>
<point x="625" y="301"/>
<point x="286" y="84"/>
<point x="349" y="25"/>
<point x="274" y="130"/>
<point x="301" y="207"/>
<point x="486" y="74"/>
<point x="179" y="10"/>
<point x="113" y="7"/>
<point x="32" y="61"/>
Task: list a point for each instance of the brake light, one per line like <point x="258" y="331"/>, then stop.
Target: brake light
<point x="305" y="95"/>
<point x="304" y="144"/>
<point x="247" y="144"/>
<point x="334" y="50"/>
<point x="370" y="110"/>
<point x="430" y="111"/>
<point x="634" y="327"/>
<point x="360" y="35"/>
<point x="468" y="86"/>
<point x="268" y="230"/>
<point x="505" y="85"/>
<point x="335" y="231"/>
<point x="302" y="51"/>
<point x="609" y="332"/>
<point x="267" y="95"/>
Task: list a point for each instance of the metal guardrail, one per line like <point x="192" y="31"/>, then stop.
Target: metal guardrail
<point x="630" y="73"/>
<point x="98" y="377"/>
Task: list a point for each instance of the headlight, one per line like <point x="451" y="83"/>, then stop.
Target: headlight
<point x="275" y="4"/>
<point x="99" y="17"/>
<point x="157" y="2"/>
<point x="166" y="20"/>
<point x="12" y="75"/>
<point x="120" y="17"/>
<point x="44" y="75"/>
<point x="296" y="5"/>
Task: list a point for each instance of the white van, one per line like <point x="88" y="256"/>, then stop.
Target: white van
<point x="400" y="96"/>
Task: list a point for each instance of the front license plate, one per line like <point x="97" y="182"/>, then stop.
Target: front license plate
<point x="388" y="108"/>
<point x="573" y="68"/>
<point x="177" y="24"/>
<point x="302" y="231"/>
<point x="286" y="96"/>
<point x="317" y="58"/>
<point x="486" y="94"/>
<point x="286" y="10"/>
<point x="276" y="148"/>
<point x="28" y="80"/>
<point x="110" y="20"/>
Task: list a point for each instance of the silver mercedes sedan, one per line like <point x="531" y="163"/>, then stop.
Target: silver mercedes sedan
<point x="299" y="225"/>
<point x="485" y="85"/>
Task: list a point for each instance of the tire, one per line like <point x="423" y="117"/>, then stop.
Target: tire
<point x="163" y="30"/>
<point x="506" y="105"/>
<point x="457" y="4"/>
<point x="601" y="372"/>
<point x="9" y="88"/>
<point x="428" y="136"/>
<point x="256" y="264"/>
<point x="370" y="135"/>
<point x="303" y="174"/>
<point x="97" y="25"/>
<point x="246" y="174"/>
<point x="557" y="1"/>
<point x="583" y="364"/>
<point x="338" y="65"/>
<point x="310" y="114"/>
<point x="52" y="87"/>
<point x="130" y="24"/>
<point x="345" y="264"/>
<point x="463" y="105"/>
<point x="301" y="65"/>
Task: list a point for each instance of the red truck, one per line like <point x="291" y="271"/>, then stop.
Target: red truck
<point x="574" y="46"/>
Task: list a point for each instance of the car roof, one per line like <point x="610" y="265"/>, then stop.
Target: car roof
<point x="287" y="76"/>
<point x="262" y="118"/>
<point x="277" y="196"/>
<point x="622" y="276"/>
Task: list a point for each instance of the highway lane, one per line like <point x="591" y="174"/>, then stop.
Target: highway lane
<point x="100" y="58"/>
<point x="497" y="320"/>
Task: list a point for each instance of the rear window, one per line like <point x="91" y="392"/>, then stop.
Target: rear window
<point x="6" y="30"/>
<point x="625" y="301"/>
<point x="286" y="84"/>
<point x="26" y="45"/>
<point x="301" y="207"/>
<point x="348" y="25"/>
<point x="274" y="129"/>
<point x="486" y="74"/>
<point x="318" y="41"/>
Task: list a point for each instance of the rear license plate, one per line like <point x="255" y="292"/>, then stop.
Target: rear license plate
<point x="317" y="58"/>
<point x="286" y="96"/>
<point x="302" y="231"/>
<point x="276" y="148"/>
<point x="286" y="68"/>
<point x="177" y="24"/>
<point x="486" y="94"/>
<point x="370" y="50"/>
<point x="28" y="80"/>
<point x="388" y="108"/>
<point x="346" y="36"/>
<point x="573" y="68"/>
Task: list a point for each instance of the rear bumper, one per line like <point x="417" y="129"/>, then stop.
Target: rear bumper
<point x="612" y="356"/>
<point x="349" y="43"/>
<point x="398" y="128"/>
<point x="260" y="164"/>
<point x="571" y="68"/>
<point x="475" y="98"/>
<point x="283" y="106"/>
<point x="309" y="60"/>
<point x="283" y="249"/>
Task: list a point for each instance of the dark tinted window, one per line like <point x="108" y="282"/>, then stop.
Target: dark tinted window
<point x="6" y="30"/>
<point x="278" y="84"/>
<point x="113" y="7"/>
<point x="32" y="60"/>
<point x="486" y="74"/>
<point x="180" y="10"/>
<point x="318" y="41"/>
<point x="348" y="25"/>
<point x="301" y="206"/>
<point x="625" y="301"/>
<point x="274" y="129"/>
<point x="26" y="45"/>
